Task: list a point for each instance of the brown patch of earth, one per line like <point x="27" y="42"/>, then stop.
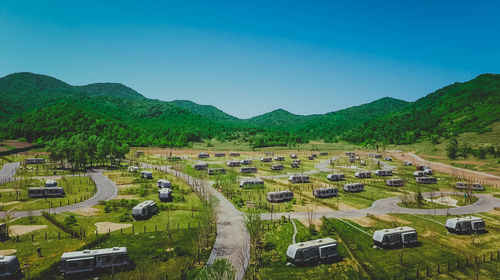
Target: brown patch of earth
<point x="16" y="144"/>
<point x="22" y="229"/>
<point x="8" y="203"/>
<point x="345" y="206"/>
<point x="87" y="212"/>
<point x="126" y="186"/>
<point x="363" y="221"/>
<point x="390" y="219"/>
<point x="7" y="190"/>
<point x="126" y="196"/>
<point x="7" y="252"/>
<point x="108" y="226"/>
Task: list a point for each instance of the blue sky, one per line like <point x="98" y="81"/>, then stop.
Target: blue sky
<point x="251" y="57"/>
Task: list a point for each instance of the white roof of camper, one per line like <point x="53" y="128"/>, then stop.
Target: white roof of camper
<point x="144" y="204"/>
<point x="453" y="221"/>
<point x="165" y="190"/>
<point x="91" y="253"/>
<point x="164" y="181"/>
<point x="146" y="172"/>
<point x="50" y="181"/>
<point x="278" y="192"/>
<point x="379" y="234"/>
<point x="293" y="248"/>
<point x="7" y="259"/>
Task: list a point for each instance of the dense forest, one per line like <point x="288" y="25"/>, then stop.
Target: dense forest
<point x="40" y="109"/>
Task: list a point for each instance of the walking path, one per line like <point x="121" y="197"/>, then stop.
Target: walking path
<point x="8" y="171"/>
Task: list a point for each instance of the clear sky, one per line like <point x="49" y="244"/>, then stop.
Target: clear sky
<point x="251" y="57"/>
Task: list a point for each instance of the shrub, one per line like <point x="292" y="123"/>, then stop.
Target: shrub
<point x="70" y="221"/>
<point x="125" y="217"/>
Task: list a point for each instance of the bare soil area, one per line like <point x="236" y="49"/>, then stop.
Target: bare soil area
<point x="21" y="229"/>
<point x="108" y="226"/>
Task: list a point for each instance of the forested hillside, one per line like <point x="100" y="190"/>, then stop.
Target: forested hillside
<point x="207" y="111"/>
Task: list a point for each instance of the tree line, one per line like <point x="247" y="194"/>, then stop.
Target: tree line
<point x="455" y="150"/>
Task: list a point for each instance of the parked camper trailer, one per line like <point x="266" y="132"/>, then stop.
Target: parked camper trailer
<point x="323" y="154"/>
<point x="4" y="233"/>
<point x="314" y="155"/>
<point x="388" y="158"/>
<point x="266" y="159"/>
<point x="422" y="167"/>
<point x="310" y="158"/>
<point x="325" y="192"/>
<point x="428" y="172"/>
<point x="269" y="154"/>
<point x="395" y="182"/>
<point x="44" y="192"/>
<point x="419" y="174"/>
<point x="133" y="169"/>
<point x="164" y="183"/>
<point x="203" y="155"/>
<point x="219" y="155"/>
<point x="147" y="174"/>
<point x="426" y="180"/>
<point x="465" y="225"/>
<point x="234" y="154"/>
<point x="165" y="194"/>
<point x="34" y="161"/>
<point x="312" y="251"/>
<point x="362" y="162"/>
<point x="363" y="174"/>
<point x="250" y="182"/>
<point x="377" y="155"/>
<point x="279" y="196"/>
<point x="336" y="177"/>
<point x="245" y="161"/>
<point x="233" y="163"/>
<point x="248" y="169"/>
<point x="472" y="186"/>
<point x="88" y="261"/>
<point x="295" y="164"/>
<point x="350" y="154"/>
<point x="383" y="172"/>
<point x="353" y="187"/>
<point x="214" y="171"/>
<point x="200" y="166"/>
<point x="279" y="158"/>
<point x="294" y="156"/>
<point x="50" y="183"/>
<point x="9" y="267"/>
<point x="395" y="237"/>
<point x="277" y="167"/>
<point x="144" y="210"/>
<point x="407" y="163"/>
<point x="299" y="178"/>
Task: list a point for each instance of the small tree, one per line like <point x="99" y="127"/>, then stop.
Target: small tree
<point x="419" y="198"/>
<point x="452" y="149"/>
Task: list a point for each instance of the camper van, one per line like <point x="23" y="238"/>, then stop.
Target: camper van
<point x="88" y="261"/>
<point x="233" y="163"/>
<point x="383" y="172"/>
<point x="325" y="192"/>
<point x="466" y="186"/>
<point x="203" y="155"/>
<point x="428" y="172"/>
<point x="50" y="183"/>
<point x="418" y="174"/>
<point x="43" y="192"/>
<point x="234" y="154"/>
<point x="164" y="183"/>
<point x="362" y="162"/>
<point x="147" y="174"/>
<point x="214" y="171"/>
<point x="310" y="158"/>
<point x="312" y="251"/>
<point x="245" y="161"/>
<point x="200" y="166"/>
<point x="363" y="174"/>
<point x="407" y="163"/>
<point x="266" y="159"/>
<point x="277" y="167"/>
<point x="9" y="267"/>
<point x="350" y="154"/>
<point x="395" y="182"/>
<point x="353" y="187"/>
<point x="133" y="169"/>
<point x="465" y="225"/>
<point x="279" y="196"/>
<point x="295" y="164"/>
<point x="144" y="210"/>
<point x="299" y="178"/>
<point x="294" y="156"/>
<point x="269" y="154"/>
<point x="165" y="194"/>
<point x="426" y="180"/>
<point x="279" y="158"/>
<point x="323" y="154"/>
<point x="395" y="237"/>
<point x="34" y="161"/>
<point x="219" y="155"/>
<point x="248" y="169"/>
<point x="251" y="182"/>
<point x="336" y="177"/>
<point x="388" y="158"/>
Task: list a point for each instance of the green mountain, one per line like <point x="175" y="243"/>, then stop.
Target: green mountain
<point x="110" y="89"/>
<point x="461" y="107"/>
<point x="280" y="119"/>
<point x="207" y="111"/>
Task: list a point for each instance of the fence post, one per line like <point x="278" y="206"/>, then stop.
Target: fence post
<point x="121" y="231"/>
<point x="417" y="273"/>
<point x="438" y="269"/>
<point x="17" y="238"/>
<point x="189" y="225"/>
<point x="491" y="256"/>
<point x="109" y="232"/>
<point x="59" y="235"/>
<point x="448" y="266"/>
<point x="132" y="230"/>
<point x="96" y="233"/>
<point x="31" y="237"/>
<point x="427" y="272"/>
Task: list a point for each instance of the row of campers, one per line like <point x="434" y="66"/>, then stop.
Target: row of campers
<point x="34" y="161"/>
<point x="90" y="261"/>
<point x="363" y="174"/>
<point x="299" y="178"/>
<point x="251" y="182"/>
<point x="469" y="186"/>
<point x="383" y="172"/>
<point x="236" y="163"/>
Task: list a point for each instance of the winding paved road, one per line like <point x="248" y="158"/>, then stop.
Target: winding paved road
<point x="8" y="171"/>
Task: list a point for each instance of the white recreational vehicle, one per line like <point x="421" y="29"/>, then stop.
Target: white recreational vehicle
<point x="277" y="167"/>
<point x="353" y="187"/>
<point x="50" y="183"/>
<point x="34" y="161"/>
<point x="9" y="267"/>
<point x="395" y="182"/>
<point x="245" y="161"/>
<point x="88" y="261"/>
<point x="426" y="180"/>
<point x="350" y="154"/>
<point x="383" y="172"/>
<point x="293" y="156"/>
<point x="266" y="159"/>
<point x="310" y="158"/>
<point x="251" y="182"/>
<point x="407" y="163"/>
<point x="472" y="186"/>
<point x="395" y="237"/>
<point x="233" y="163"/>
<point x="362" y="162"/>
<point x="299" y="178"/>
<point x="219" y="155"/>
<point x="234" y="154"/>
<point x="203" y="155"/>
<point x="147" y="174"/>
<point x="279" y="196"/>
<point x="323" y="154"/>
<point x="164" y="183"/>
<point x="312" y="251"/>
<point x="144" y="210"/>
<point x="279" y="158"/>
<point x="336" y="177"/>
<point x="465" y="225"/>
<point x="248" y="169"/>
<point x="133" y="169"/>
<point x="388" y="158"/>
<point x="418" y="174"/>
<point x="325" y="192"/>
<point x="165" y="194"/>
<point x="200" y="166"/>
<point x="42" y="192"/>
<point x="363" y="174"/>
<point x="214" y="171"/>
